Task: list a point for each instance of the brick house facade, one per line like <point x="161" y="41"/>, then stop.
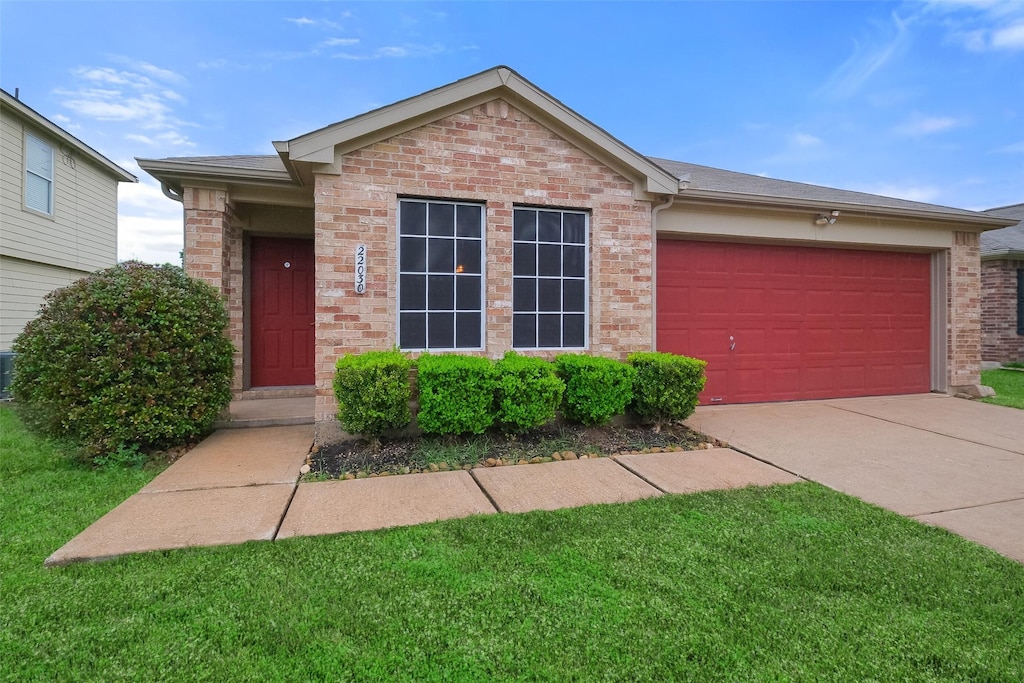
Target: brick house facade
<point x="1002" y="289"/>
<point x="495" y="152"/>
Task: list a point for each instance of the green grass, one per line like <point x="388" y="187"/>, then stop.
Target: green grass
<point x="1009" y="386"/>
<point x="781" y="583"/>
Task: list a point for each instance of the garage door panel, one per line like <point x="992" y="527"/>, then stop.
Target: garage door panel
<point x="807" y="322"/>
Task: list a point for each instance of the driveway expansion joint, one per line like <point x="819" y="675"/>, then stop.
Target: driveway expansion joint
<point x="483" y="489"/>
<point x="968" y="507"/>
<point x="637" y="474"/>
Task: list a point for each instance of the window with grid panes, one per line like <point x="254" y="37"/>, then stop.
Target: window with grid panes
<point x="440" y="278"/>
<point x="549" y="287"/>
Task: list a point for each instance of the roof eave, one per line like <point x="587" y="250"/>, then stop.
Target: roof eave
<point x="165" y="170"/>
<point x="980" y="220"/>
<point x="38" y="119"/>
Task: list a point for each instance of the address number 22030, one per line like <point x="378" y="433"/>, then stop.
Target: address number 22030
<point x="361" y="269"/>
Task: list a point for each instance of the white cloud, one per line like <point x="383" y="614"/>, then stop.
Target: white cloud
<point x="805" y="140"/>
<point x="982" y="25"/>
<point x="928" y="125"/>
<point x="334" y="42"/>
<point x="149" y="224"/>
<point x="910" y="192"/>
<point x="1009" y="38"/>
<point x="320" y="23"/>
<point x="1016" y="148"/>
<point x="137" y="96"/>
<point x="847" y="79"/>
<point x="399" y="52"/>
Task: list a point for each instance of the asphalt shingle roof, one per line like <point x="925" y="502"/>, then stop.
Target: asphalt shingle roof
<point x="1005" y="239"/>
<point x="700" y="178"/>
<point x="265" y="162"/>
<point x="719" y="180"/>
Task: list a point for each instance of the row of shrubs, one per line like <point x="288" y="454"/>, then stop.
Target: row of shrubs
<point x="460" y="394"/>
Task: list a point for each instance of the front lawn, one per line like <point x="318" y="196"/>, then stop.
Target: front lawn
<point x="1009" y="386"/>
<point x="794" y="582"/>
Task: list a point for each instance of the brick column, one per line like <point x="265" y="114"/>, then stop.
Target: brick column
<point x="964" y="300"/>
<point x="213" y="254"/>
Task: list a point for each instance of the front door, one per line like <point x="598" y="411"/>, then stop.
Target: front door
<point x="281" y="313"/>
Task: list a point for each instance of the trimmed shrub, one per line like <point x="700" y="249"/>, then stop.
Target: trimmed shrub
<point x="134" y="356"/>
<point x="373" y="392"/>
<point x="665" y="387"/>
<point x="456" y="394"/>
<point x="596" y="389"/>
<point x="529" y="392"/>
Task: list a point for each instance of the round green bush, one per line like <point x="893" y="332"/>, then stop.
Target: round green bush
<point x="373" y="392"/>
<point x="131" y="356"/>
<point x="528" y="393"/>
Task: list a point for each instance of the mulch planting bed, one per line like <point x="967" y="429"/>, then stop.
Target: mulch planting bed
<point x="356" y="458"/>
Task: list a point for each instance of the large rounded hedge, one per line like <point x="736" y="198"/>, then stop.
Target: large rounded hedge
<point x="135" y="355"/>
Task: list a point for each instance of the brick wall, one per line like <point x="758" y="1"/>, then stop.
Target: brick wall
<point x="964" y="311"/>
<point x="496" y="155"/>
<point x="999" y="338"/>
<point x="213" y="253"/>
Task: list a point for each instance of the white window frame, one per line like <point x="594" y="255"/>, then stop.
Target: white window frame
<point x="536" y="277"/>
<point x="482" y="275"/>
<point x="29" y="139"/>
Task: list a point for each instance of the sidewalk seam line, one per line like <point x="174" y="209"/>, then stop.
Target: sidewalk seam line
<point x="487" y="494"/>
<point x="287" y="507"/>
<point x="924" y="429"/>
<point x="215" y="488"/>
<point x="967" y="507"/>
<point x="638" y="475"/>
<point x="736" y="448"/>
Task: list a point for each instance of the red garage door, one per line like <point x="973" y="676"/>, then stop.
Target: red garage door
<point x="781" y="323"/>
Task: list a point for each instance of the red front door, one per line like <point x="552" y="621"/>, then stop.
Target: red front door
<point x="781" y="323"/>
<point x="281" y="311"/>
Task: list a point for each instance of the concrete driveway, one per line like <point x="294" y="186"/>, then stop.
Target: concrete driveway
<point x="945" y="461"/>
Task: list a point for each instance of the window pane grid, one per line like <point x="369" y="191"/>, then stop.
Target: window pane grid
<point x="549" y="287"/>
<point x="440" y="293"/>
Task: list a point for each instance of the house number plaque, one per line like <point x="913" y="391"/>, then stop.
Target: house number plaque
<point x="361" y="269"/>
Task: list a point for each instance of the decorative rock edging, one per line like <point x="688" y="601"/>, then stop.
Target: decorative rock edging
<point x="557" y="456"/>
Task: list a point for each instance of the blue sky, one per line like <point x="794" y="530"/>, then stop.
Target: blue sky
<point x="920" y="100"/>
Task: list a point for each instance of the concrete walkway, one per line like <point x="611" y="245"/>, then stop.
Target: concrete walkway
<point x="241" y="485"/>
<point x="945" y="461"/>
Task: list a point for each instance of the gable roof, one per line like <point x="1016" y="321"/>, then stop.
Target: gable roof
<point x="293" y="166"/>
<point x="320" y="146"/>
<point x="1008" y="242"/>
<point x="28" y="113"/>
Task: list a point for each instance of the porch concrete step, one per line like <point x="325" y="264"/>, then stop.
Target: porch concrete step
<point x="275" y="392"/>
<point x="269" y="412"/>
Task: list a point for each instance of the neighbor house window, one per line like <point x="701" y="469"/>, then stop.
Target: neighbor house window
<point x="440" y="275"/>
<point x="549" y="283"/>
<point x="38" y="174"/>
<point x="1020" y="301"/>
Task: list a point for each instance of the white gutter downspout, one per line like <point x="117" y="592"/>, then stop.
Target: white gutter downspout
<point x="684" y="182"/>
<point x="653" y="269"/>
<point x="171" y="194"/>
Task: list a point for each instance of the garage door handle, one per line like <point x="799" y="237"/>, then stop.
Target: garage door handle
<point x="732" y="343"/>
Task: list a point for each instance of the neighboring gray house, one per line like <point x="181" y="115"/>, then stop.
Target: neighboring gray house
<point x="1002" y="288"/>
<point x="58" y="212"/>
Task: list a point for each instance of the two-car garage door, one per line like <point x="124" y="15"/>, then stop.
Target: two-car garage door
<point x="779" y="323"/>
